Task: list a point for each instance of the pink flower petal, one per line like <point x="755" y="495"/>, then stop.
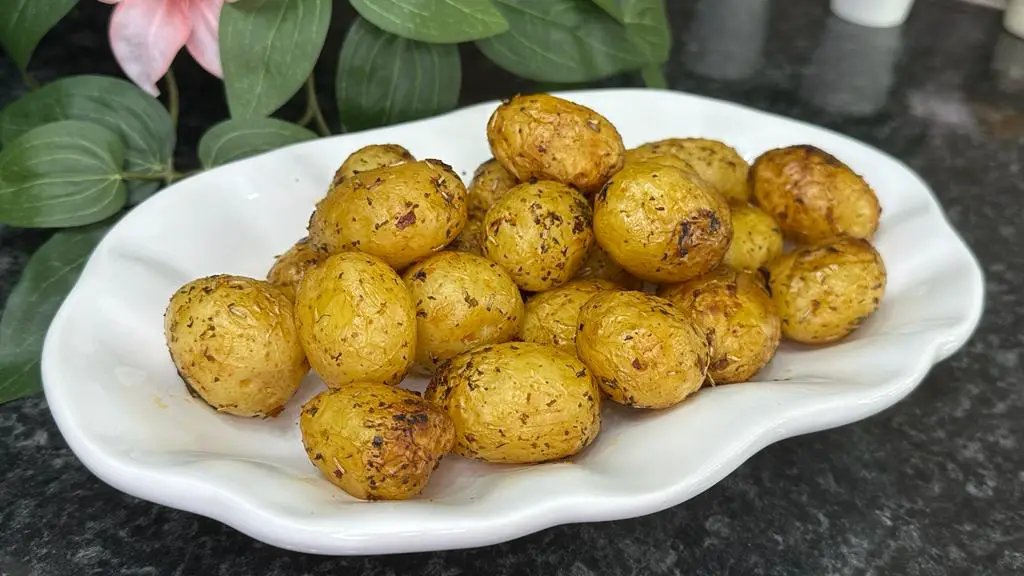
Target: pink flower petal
<point x="146" y="35"/>
<point x="202" y="44"/>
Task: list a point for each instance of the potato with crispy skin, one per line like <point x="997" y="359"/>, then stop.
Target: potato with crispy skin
<point x="825" y="291"/>
<point x="717" y="163"/>
<point x="289" y="268"/>
<point x="370" y="158"/>
<point x="600" y="266"/>
<point x="540" y="233"/>
<point x="738" y="318"/>
<point x="660" y="224"/>
<point x="659" y="155"/>
<point x="471" y="239"/>
<point x="462" y="301"/>
<point x="356" y="320"/>
<point x="490" y="182"/>
<point x="643" y="351"/>
<point x="374" y="441"/>
<point x="551" y="317"/>
<point x="400" y="214"/>
<point x="756" y="238"/>
<point x="235" y="344"/>
<point x="544" y="137"/>
<point x="813" y="195"/>
<point x="518" y="403"/>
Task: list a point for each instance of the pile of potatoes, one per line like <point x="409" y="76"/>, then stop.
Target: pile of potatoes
<point x="571" y="271"/>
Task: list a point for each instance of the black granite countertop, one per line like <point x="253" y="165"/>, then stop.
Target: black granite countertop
<point x="934" y="485"/>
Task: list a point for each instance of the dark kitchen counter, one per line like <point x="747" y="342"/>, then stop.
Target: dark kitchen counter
<point x="934" y="485"/>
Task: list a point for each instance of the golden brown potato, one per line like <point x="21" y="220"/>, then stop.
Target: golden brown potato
<point x="471" y="239"/>
<point x="543" y="137"/>
<point x="657" y="153"/>
<point x="374" y="441"/>
<point x="289" y="267"/>
<point x="370" y="158"/>
<point x="599" y="265"/>
<point x="539" y="233"/>
<point x="235" y="344"/>
<point x="490" y="182"/>
<point x="551" y="317"/>
<point x="824" y="292"/>
<point x="462" y="301"/>
<point x="738" y="319"/>
<point x="660" y="224"/>
<point x="400" y="214"/>
<point x="813" y="195"/>
<point x="356" y="320"/>
<point x="518" y="402"/>
<point x="715" y="162"/>
<point x="756" y="238"/>
<point x="642" y="351"/>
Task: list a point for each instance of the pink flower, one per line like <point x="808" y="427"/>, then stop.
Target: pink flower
<point x="146" y="35"/>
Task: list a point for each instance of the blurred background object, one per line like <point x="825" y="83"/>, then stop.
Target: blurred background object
<point x="874" y="13"/>
<point x="853" y="67"/>
<point x="726" y="38"/>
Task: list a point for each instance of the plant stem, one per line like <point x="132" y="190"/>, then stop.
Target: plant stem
<point x="313" y="108"/>
<point x="173" y="98"/>
<point x="31" y="82"/>
<point x="168" y="177"/>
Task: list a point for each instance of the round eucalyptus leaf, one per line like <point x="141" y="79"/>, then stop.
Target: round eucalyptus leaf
<point x="268" y="48"/>
<point x="236" y="139"/>
<point x="561" y="41"/>
<point x="63" y="174"/>
<point x="436" y="21"/>
<point x="384" y="79"/>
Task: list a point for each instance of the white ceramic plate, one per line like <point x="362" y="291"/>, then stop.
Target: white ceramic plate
<point x="122" y="408"/>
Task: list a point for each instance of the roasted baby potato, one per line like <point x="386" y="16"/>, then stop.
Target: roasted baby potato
<point x="756" y="238"/>
<point x="660" y="224"/>
<point x="374" y="441"/>
<point x="552" y="316"/>
<point x="539" y="233"/>
<point x="715" y="162"/>
<point x="356" y="320"/>
<point x="813" y="195"/>
<point x="490" y="182"/>
<point x="518" y="402"/>
<point x="235" y="344"/>
<point x="738" y="318"/>
<point x="543" y="137"/>
<point x="400" y="213"/>
<point x="462" y="301"/>
<point x="824" y="292"/>
<point x="642" y="351"/>
<point x="289" y="267"/>
<point x="370" y="158"/>
<point x="599" y="265"/>
<point x="658" y="154"/>
<point x="471" y="239"/>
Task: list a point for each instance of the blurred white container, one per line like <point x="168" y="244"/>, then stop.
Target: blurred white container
<point x="873" y="13"/>
<point x="726" y="40"/>
<point x="1013" y="18"/>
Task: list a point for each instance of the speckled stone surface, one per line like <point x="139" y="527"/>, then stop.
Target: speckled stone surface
<point x="934" y="485"/>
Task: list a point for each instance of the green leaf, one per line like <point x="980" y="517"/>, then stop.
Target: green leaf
<point x="63" y="174"/>
<point x="49" y="276"/>
<point x="646" y="25"/>
<point x="436" y="21"/>
<point x="236" y="139"/>
<point x="268" y="48"/>
<point x="653" y="76"/>
<point x="23" y="23"/>
<point x="383" y="79"/>
<point x="561" y="41"/>
<point x="143" y="124"/>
